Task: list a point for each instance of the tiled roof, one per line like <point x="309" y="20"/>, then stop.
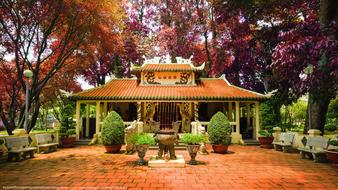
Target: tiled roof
<point x="173" y="67"/>
<point x="206" y="89"/>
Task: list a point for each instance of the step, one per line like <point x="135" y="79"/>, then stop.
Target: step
<point x="82" y="142"/>
<point x="251" y="142"/>
<point x="177" y="147"/>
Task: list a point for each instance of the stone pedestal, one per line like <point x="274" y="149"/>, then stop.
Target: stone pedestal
<point x="314" y="132"/>
<point x="276" y="134"/>
<point x="236" y="138"/>
<point x="160" y="163"/>
<point x="19" y="132"/>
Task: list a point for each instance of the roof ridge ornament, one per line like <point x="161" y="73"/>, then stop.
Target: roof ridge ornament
<point x="167" y="60"/>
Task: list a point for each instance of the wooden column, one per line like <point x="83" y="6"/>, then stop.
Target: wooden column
<point x="139" y="114"/>
<point x="87" y="119"/>
<point x="98" y="117"/>
<point x="196" y="111"/>
<point x="257" y="127"/>
<point x="230" y="111"/>
<point x="105" y="106"/>
<point x="78" y="120"/>
<point x="248" y="113"/>
<point x="237" y="117"/>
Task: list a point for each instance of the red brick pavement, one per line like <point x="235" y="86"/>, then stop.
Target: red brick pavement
<point x="89" y="167"/>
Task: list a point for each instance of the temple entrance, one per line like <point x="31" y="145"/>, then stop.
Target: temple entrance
<point x="168" y="115"/>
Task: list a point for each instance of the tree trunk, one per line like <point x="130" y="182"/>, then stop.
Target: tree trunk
<point x="276" y="112"/>
<point x="316" y="112"/>
<point x="319" y="100"/>
<point x="209" y="61"/>
<point x="328" y="11"/>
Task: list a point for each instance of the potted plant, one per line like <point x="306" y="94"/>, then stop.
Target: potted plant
<point x="219" y="133"/>
<point x="112" y="132"/>
<point x="67" y="137"/>
<point x="67" y="129"/>
<point x="265" y="138"/>
<point x="193" y="145"/>
<point x="332" y="153"/>
<point x="141" y="142"/>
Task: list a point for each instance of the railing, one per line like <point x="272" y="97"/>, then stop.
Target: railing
<point x="127" y="123"/>
<point x="233" y="126"/>
<point x="206" y="123"/>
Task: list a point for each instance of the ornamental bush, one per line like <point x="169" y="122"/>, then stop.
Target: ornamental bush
<point x="141" y="139"/>
<point x="219" y="129"/>
<point x="192" y="139"/>
<point x="112" y="129"/>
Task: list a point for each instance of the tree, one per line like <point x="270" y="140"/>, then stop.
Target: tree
<point x="307" y="56"/>
<point x="43" y="36"/>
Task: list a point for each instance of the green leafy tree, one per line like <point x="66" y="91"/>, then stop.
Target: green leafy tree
<point x="64" y="111"/>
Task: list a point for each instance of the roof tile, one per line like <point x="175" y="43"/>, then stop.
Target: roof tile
<point x="206" y="89"/>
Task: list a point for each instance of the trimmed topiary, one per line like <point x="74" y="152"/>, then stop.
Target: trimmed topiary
<point x="112" y="130"/>
<point x="219" y="129"/>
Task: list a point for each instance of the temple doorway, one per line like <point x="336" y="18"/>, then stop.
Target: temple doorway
<point x="168" y="115"/>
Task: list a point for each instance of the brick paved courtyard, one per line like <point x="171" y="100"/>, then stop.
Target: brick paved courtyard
<point x="245" y="168"/>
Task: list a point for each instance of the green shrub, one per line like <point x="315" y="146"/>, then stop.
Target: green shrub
<point x="333" y="142"/>
<point x="287" y="126"/>
<point x="265" y="133"/>
<point x="267" y="121"/>
<point x="112" y="129"/>
<point x="141" y="139"/>
<point x="219" y="129"/>
<point x="192" y="139"/>
<point x="331" y="125"/>
<point x="67" y="120"/>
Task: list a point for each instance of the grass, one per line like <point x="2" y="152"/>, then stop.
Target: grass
<point x="33" y="131"/>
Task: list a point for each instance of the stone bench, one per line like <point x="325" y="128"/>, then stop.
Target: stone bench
<point x="285" y="143"/>
<point x="18" y="147"/>
<point x="315" y="149"/>
<point x="45" y="143"/>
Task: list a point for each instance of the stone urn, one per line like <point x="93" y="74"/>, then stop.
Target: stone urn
<point x="166" y="140"/>
<point x="141" y="152"/>
<point x="193" y="149"/>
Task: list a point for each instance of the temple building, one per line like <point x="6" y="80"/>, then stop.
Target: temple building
<point x="169" y="95"/>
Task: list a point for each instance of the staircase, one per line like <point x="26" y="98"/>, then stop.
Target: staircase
<point x="251" y="142"/>
<point x="82" y="141"/>
<point x="179" y="146"/>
